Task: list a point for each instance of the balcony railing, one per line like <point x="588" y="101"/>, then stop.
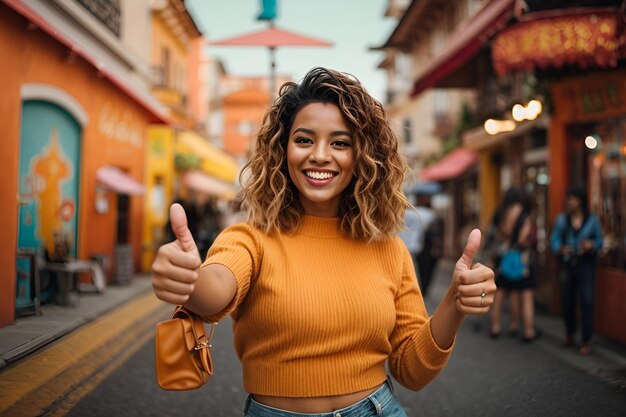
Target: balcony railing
<point x="106" y="11"/>
<point x="158" y="76"/>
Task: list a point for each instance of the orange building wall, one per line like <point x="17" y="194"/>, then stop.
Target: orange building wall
<point x="249" y="106"/>
<point x="34" y="57"/>
<point x="9" y="157"/>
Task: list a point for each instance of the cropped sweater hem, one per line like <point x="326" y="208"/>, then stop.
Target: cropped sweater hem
<point x="285" y="382"/>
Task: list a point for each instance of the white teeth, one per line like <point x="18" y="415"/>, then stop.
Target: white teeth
<point x="319" y="175"/>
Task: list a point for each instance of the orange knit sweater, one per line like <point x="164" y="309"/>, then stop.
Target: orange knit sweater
<point x="318" y="314"/>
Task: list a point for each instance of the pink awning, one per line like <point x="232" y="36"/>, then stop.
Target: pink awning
<point x="465" y="43"/>
<point x="117" y="180"/>
<point x="451" y="166"/>
<point x="271" y="37"/>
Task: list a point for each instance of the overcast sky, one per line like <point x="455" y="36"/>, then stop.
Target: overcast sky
<point x="351" y="25"/>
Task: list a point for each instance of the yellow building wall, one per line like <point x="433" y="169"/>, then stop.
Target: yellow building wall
<point x="160" y="145"/>
<point x="159" y="164"/>
<point x="162" y="38"/>
<point x="489" y="183"/>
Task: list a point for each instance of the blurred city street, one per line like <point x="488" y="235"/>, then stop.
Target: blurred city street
<point x="510" y="116"/>
<point x="485" y="377"/>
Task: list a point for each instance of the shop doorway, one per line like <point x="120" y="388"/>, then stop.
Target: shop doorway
<point x="123" y="247"/>
<point x="49" y="164"/>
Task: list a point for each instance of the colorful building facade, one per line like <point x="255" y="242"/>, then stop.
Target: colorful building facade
<point x="73" y="152"/>
<point x="565" y="62"/>
<point x="587" y="141"/>
<point x="181" y="163"/>
<point x="245" y="101"/>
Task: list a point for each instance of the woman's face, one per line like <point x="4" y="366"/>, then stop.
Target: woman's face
<point x="320" y="156"/>
<point x="572" y="203"/>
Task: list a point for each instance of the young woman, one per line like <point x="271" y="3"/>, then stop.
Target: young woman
<point x="511" y="225"/>
<point x="321" y="290"/>
<point x="515" y="204"/>
<point x="517" y="274"/>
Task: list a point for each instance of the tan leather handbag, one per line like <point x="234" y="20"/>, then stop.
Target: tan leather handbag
<point x="183" y="356"/>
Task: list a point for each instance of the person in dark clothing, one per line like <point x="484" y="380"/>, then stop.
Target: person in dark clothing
<point x="515" y="203"/>
<point x="517" y="274"/>
<point x="576" y="239"/>
<point x="432" y="248"/>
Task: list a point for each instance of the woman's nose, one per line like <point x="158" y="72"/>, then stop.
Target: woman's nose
<point x="320" y="154"/>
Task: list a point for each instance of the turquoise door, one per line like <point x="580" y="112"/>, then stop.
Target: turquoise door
<point x="48" y="188"/>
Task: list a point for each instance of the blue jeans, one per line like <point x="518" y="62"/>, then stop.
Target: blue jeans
<point x="382" y="402"/>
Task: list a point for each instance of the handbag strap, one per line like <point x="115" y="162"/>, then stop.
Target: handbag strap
<point x="197" y="327"/>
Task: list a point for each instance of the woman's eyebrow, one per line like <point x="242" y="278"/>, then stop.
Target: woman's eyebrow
<point x="312" y="132"/>
<point x="304" y="130"/>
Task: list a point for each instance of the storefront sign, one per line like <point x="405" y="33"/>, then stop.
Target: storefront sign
<point x="585" y="40"/>
<point x="117" y="125"/>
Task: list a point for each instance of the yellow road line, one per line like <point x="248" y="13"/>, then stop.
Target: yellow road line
<point x="17" y="382"/>
<point x="84" y="389"/>
<point x="66" y="389"/>
<point x="54" y="394"/>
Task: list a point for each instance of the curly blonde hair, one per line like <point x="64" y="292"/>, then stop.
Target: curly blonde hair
<point x="373" y="204"/>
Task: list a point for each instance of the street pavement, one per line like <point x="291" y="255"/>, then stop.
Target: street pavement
<point x="29" y="334"/>
<point x="484" y="377"/>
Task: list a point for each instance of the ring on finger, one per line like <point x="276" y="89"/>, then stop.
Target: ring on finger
<point x="482" y="298"/>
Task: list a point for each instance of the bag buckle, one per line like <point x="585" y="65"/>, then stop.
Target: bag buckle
<point x="201" y="344"/>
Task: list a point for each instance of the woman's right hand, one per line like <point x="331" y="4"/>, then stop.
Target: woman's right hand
<point x="175" y="268"/>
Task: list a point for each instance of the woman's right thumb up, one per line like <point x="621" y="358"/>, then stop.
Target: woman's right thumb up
<point x="178" y="219"/>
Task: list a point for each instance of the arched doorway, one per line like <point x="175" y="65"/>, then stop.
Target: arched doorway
<point x="49" y="166"/>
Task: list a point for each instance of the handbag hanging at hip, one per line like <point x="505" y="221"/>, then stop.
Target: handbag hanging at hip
<point x="182" y="349"/>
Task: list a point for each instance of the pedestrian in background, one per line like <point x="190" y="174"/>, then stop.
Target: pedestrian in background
<point x="497" y="240"/>
<point x="576" y="239"/>
<point x="209" y="224"/>
<point x="321" y="289"/>
<point x="517" y="274"/>
<point x="432" y="242"/>
<point x="423" y="238"/>
<point x="413" y="233"/>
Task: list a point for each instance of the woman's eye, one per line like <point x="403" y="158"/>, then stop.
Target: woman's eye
<point x="303" y="140"/>
<point x="341" y="143"/>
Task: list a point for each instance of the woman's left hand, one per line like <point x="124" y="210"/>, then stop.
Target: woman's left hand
<point x="473" y="286"/>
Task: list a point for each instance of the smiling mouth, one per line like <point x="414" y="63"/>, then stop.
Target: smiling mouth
<point x="320" y="175"/>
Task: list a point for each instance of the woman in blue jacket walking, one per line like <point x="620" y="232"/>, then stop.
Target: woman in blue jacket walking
<point x="577" y="239"/>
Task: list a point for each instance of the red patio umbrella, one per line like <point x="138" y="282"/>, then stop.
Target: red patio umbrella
<point x="272" y="38"/>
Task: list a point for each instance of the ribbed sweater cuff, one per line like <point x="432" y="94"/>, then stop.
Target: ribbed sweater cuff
<point x="433" y="356"/>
